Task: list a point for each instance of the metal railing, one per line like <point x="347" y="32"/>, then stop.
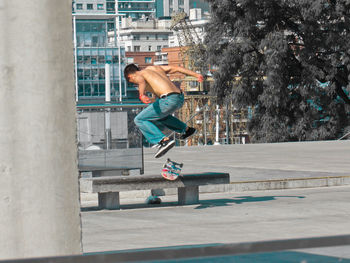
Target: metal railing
<point x="344" y="136"/>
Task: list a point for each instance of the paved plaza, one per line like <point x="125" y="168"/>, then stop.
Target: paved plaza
<point x="232" y="214"/>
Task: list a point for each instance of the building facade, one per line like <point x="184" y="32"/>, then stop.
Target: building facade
<point x="93" y="50"/>
<point x="144" y="35"/>
<point x="130" y="8"/>
<point x="166" y="8"/>
<point x="142" y="59"/>
<point x="94" y="6"/>
<point x="137" y="9"/>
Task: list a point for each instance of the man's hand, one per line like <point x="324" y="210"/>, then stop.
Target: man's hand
<point x="200" y="78"/>
<point x="145" y="99"/>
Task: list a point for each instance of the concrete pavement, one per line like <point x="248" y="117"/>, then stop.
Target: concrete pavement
<point x="221" y="218"/>
<point x="261" y="161"/>
<point x="237" y="212"/>
<point x="262" y="166"/>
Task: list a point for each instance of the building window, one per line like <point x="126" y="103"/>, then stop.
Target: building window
<point x="99" y="6"/>
<point x="94" y="41"/>
<point x="79" y="6"/>
<point x="80" y="59"/>
<point x="136" y="37"/>
<point x="80" y="73"/>
<point x="115" y="59"/>
<point x="90" y="6"/>
<point x="136" y="48"/>
<point x="130" y="60"/>
<point x="101" y="59"/>
<point x="147" y="37"/>
<point x="149" y="48"/>
<point x="148" y="60"/>
<point x="159" y="48"/>
<point x="110" y="7"/>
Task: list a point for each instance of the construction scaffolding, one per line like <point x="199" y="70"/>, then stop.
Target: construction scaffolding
<point x="215" y="124"/>
<point x="192" y="49"/>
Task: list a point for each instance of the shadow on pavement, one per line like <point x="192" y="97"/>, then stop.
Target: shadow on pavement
<point x="239" y="200"/>
<point x="202" y="204"/>
<point x="130" y="206"/>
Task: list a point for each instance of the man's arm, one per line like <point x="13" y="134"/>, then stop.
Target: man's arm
<point x="174" y="69"/>
<point x="142" y="89"/>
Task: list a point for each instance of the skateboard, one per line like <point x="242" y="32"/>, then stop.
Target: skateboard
<point x="171" y="170"/>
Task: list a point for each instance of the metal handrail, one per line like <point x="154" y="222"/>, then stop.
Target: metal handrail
<point x="103" y="106"/>
<point x="344" y="136"/>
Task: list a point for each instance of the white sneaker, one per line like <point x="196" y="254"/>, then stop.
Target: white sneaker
<point x="164" y="148"/>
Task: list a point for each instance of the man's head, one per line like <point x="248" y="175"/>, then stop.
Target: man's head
<point x="130" y="70"/>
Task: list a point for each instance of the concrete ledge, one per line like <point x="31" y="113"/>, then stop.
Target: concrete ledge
<point x="108" y="187"/>
<point x="279" y="184"/>
<point x="247" y="186"/>
<point x="106" y="184"/>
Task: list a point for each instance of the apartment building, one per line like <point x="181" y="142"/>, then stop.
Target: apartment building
<point x="137" y="9"/>
<point x="144" y="35"/>
<point x="130" y="8"/>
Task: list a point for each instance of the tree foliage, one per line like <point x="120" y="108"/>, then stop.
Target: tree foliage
<point x="289" y="60"/>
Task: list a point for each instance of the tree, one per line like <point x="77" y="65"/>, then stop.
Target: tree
<point x="289" y="60"/>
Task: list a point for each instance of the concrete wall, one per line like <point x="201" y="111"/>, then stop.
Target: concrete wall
<point x="39" y="198"/>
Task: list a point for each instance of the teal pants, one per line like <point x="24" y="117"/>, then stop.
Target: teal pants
<point x="158" y="116"/>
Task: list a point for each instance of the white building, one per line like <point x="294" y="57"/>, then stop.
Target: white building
<point x="143" y="35"/>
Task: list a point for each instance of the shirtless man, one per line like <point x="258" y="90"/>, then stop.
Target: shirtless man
<point x="169" y="98"/>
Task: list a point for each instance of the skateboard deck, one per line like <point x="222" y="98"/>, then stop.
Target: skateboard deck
<point x="171" y="170"/>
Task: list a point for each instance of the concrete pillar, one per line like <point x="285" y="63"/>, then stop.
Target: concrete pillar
<point x="188" y="195"/>
<point x="187" y="6"/>
<point x="109" y="200"/>
<point x="39" y="193"/>
<point x="176" y="5"/>
<point x="217" y="125"/>
<point x="166" y="9"/>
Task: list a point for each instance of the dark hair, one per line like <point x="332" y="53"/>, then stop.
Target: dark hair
<point x="130" y="69"/>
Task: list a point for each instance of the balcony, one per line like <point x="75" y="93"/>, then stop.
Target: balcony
<point x="137" y="10"/>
